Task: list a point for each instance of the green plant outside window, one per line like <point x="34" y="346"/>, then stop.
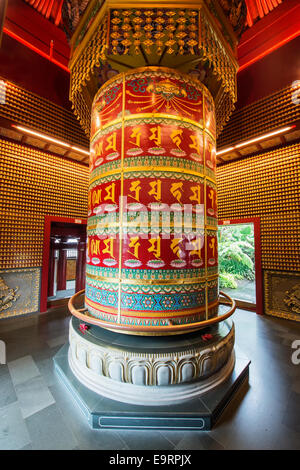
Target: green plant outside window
<point x="236" y="254"/>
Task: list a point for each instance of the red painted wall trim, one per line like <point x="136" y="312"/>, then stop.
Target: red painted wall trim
<point x="62" y="270"/>
<point x="46" y="253"/>
<point x="274" y="72"/>
<point x="35" y="49"/>
<point x="29" y="25"/>
<point x="270" y="33"/>
<point x="3" y="5"/>
<point x="257" y="245"/>
<point x="23" y="67"/>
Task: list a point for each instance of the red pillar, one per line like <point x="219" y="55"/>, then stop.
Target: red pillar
<point x="62" y="269"/>
<point x="51" y="270"/>
<point x="80" y="264"/>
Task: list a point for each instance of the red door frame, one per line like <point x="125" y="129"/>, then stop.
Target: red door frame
<point x="46" y="253"/>
<point x="257" y="247"/>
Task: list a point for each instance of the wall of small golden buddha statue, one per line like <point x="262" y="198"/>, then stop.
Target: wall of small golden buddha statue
<point x="267" y="186"/>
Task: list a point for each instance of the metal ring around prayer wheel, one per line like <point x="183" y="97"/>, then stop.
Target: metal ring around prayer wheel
<point x="83" y="314"/>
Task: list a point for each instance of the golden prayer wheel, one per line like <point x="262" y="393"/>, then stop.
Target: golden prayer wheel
<point x="152" y="229"/>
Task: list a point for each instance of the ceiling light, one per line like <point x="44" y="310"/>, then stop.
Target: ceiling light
<point x="256" y="139"/>
<point x="265" y="136"/>
<point x="80" y="150"/>
<point x="225" y="151"/>
<point x="50" y="139"/>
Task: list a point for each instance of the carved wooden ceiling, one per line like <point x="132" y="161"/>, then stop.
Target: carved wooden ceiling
<point x="52" y="9"/>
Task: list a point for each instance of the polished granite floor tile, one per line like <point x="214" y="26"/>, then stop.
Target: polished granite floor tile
<point x="198" y="441"/>
<point x="145" y="440"/>
<point x="252" y="422"/>
<point x="188" y="440"/>
<point x="48" y="430"/>
<point x="22" y="370"/>
<point x="102" y="440"/>
<point x="291" y="417"/>
<point x="263" y="415"/>
<point x="33" y="396"/>
<point x="296" y="386"/>
<point x="7" y="391"/>
<point x="13" y="431"/>
<point x="28" y="447"/>
<point x="45" y="353"/>
<point x="30" y="388"/>
<point x="87" y="438"/>
<point x="3" y="370"/>
<point x="57" y="341"/>
<point x="287" y="439"/>
<point x="13" y="351"/>
<point x="46" y="368"/>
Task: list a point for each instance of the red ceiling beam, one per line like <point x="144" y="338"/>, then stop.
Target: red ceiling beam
<point x="50" y="9"/>
<point x="259" y="8"/>
<point x="271" y="32"/>
<point x="27" y="26"/>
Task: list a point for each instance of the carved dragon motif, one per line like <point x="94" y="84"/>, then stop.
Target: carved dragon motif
<point x="7" y="295"/>
<point x="292" y="299"/>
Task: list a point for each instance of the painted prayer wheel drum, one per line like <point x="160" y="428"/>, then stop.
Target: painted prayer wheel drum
<point x="152" y="227"/>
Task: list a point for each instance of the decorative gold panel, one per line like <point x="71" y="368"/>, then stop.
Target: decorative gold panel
<point x="266" y="186"/>
<point x="282" y="294"/>
<point x="20" y="292"/>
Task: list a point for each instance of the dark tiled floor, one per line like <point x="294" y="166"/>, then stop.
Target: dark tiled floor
<point x="37" y="412"/>
<point x="63" y="294"/>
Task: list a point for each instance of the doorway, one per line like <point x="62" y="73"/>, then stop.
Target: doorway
<point x="240" y="262"/>
<point x="64" y="260"/>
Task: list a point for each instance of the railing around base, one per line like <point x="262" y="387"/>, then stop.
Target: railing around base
<point x="83" y="314"/>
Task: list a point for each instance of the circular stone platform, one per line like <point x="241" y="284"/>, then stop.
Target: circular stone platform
<point x="151" y="370"/>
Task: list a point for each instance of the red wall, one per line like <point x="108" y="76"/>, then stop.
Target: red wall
<point x="27" y="23"/>
<point x="24" y="66"/>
